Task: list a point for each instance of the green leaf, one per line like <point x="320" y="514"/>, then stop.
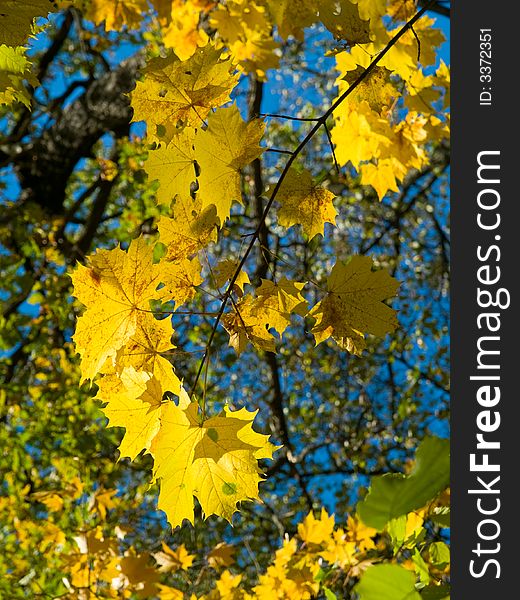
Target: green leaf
<point x="396" y="529"/>
<point x="441" y="516"/>
<point x="329" y="594"/>
<point x="421" y="568"/>
<point x="436" y="592"/>
<point x="388" y="582"/>
<point x="393" y="495"/>
<point x="439" y="554"/>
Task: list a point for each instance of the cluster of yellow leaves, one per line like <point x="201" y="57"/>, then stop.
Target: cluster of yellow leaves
<point x="97" y="557"/>
<point x="352" y="306"/>
<point x="241" y="27"/>
<point x="293" y="575"/>
<point x="372" y="132"/>
<point x="198" y="149"/>
<point x="214" y="459"/>
<point x="175" y="98"/>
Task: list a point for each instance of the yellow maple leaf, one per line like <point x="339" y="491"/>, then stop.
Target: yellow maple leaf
<point x="173" y="165"/>
<point x="375" y="88"/>
<point x="292" y="16"/>
<point x="381" y="176"/>
<point x="16" y="19"/>
<point x="354" y="304"/>
<point x="102" y="501"/>
<point x="15" y="70"/>
<point x="276" y="301"/>
<point x="245" y="28"/>
<point x="80" y="572"/>
<point x="134" y="401"/>
<point x="225" y="270"/>
<point x="207" y="459"/>
<point x="181" y="278"/>
<point x="338" y="550"/>
<point x="116" y="289"/>
<point x="342" y="19"/>
<point x="52" y="500"/>
<point x="359" y="134"/>
<point x="167" y="592"/>
<point x="173" y="560"/>
<point x="177" y="93"/>
<point x="265" y="448"/>
<point x="244" y="325"/>
<point x="222" y="555"/>
<point x="414" y="522"/>
<point x="190" y="230"/>
<point x="316" y="531"/>
<point x="360" y="534"/>
<point x="227" y="586"/>
<point x="228" y="144"/>
<point x="144" y="350"/>
<point x="117" y="14"/>
<point x="138" y="573"/>
<point x="304" y="203"/>
<point x="180" y="27"/>
<point x="371" y="10"/>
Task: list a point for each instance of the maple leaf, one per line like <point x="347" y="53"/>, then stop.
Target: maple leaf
<point x="252" y="317"/>
<point x="16" y="19"/>
<point x="222" y="555"/>
<point x="360" y="534"/>
<point x="207" y="459"/>
<point x="225" y="270"/>
<point x="276" y="301"/>
<point x="371" y="10"/>
<point x="137" y="572"/>
<point x="354" y="304"/>
<point x="190" y="230"/>
<point x="292" y="16"/>
<point x="116" y="288"/>
<point x="177" y="93"/>
<point x="180" y="26"/>
<point x="341" y="18"/>
<point x="173" y="165"/>
<point x="52" y="500"/>
<point x="245" y="29"/>
<point x="15" y="69"/>
<point x="244" y="325"/>
<point x="102" y="502"/>
<point x="359" y="134"/>
<point x="144" y="349"/>
<point x="134" y="401"/>
<point x="228" y="144"/>
<point x="316" y="531"/>
<point x="338" y="550"/>
<point x="169" y="593"/>
<point x="228" y="586"/>
<point x="381" y="177"/>
<point x="376" y="88"/>
<point x="303" y="202"/>
<point x="181" y="279"/>
<point x="117" y="14"/>
<point x="173" y="560"/>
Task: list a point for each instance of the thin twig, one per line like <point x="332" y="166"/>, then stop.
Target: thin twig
<point x="288" y="117"/>
<point x="327" y="131"/>
<point x="279" y="151"/>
